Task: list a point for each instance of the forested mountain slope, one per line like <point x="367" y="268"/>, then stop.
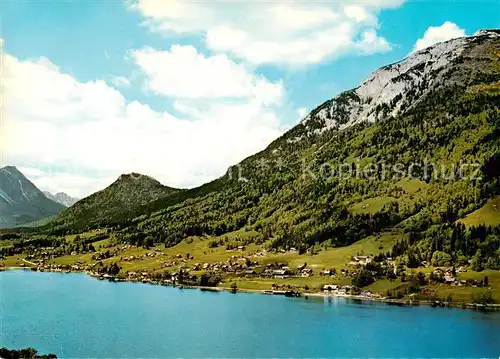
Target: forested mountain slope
<point x="415" y="147"/>
<point x="127" y="193"/>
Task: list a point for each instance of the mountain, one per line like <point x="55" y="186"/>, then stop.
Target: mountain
<point x="61" y="198"/>
<point x="395" y="88"/>
<point x="21" y="201"/>
<point x="127" y="193"/>
<point x="439" y="105"/>
<point x="413" y="150"/>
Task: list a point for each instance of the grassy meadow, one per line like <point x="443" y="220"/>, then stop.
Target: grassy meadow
<point x="198" y="250"/>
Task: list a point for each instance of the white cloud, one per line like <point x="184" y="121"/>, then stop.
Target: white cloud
<point x="435" y="34"/>
<point x="121" y="81"/>
<point x="75" y="185"/>
<point x="280" y="32"/>
<point x="302" y="112"/>
<point x="83" y="135"/>
<point x="184" y="73"/>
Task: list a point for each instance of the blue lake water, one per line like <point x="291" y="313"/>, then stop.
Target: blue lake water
<point x="73" y="315"/>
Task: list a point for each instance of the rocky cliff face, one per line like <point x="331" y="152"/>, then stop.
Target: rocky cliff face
<point x="21" y="201"/>
<point x="392" y="89"/>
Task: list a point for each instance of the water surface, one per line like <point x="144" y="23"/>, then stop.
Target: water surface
<point x="76" y="316"/>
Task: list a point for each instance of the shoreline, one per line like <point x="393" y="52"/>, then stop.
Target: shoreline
<point x="307" y="295"/>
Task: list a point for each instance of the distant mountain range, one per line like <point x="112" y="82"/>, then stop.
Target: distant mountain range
<point x="23" y="204"/>
<point x="61" y="198"/>
<point x="21" y="201"/>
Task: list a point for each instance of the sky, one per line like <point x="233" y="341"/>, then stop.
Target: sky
<point x="181" y="90"/>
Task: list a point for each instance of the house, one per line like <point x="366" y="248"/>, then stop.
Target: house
<point x="325" y="272"/>
<point x="428" y="292"/>
<point x="280" y="273"/>
<point x="366" y="293"/>
<point x="330" y="287"/>
<point x="438" y="271"/>
<point x="448" y="279"/>
<point x="360" y="260"/>
<point x="307" y="272"/>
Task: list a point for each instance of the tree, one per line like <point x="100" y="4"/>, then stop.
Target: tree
<point x="440" y="259"/>
<point x="477" y="261"/>
<point x="421" y="278"/>
<point x="27" y="353"/>
<point x="363" y="278"/>
<point x="114" y="269"/>
<point x="234" y="288"/>
<point x="209" y="280"/>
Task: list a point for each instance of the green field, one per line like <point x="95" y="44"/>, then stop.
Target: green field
<point x="488" y="215"/>
<point x="371" y="205"/>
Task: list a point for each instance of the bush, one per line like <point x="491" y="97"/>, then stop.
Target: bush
<point x="363" y="278"/>
<point x="440" y="259"/>
<point x="477" y="261"/>
<point x="234" y="288"/>
<point x="482" y="298"/>
<point x="462" y="260"/>
<point x="209" y="280"/>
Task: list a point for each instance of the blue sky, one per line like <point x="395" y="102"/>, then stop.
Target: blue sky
<point x="182" y="90"/>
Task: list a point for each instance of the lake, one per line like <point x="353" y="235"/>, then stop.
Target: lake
<point x="73" y="315"/>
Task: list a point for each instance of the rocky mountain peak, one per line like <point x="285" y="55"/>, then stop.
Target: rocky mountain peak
<point x="61" y="198"/>
<point x="12" y="170"/>
<point x="136" y="178"/>
<point x="21" y="201"/>
<point x="15" y="187"/>
<point x="488" y="32"/>
<point x="394" y="88"/>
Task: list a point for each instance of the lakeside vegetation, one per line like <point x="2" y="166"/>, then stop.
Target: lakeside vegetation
<point x="27" y="353"/>
<point x="225" y="262"/>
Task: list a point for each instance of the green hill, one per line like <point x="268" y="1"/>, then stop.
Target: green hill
<point x="122" y="197"/>
<point x="488" y="215"/>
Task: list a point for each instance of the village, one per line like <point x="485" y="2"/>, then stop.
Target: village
<point x="183" y="270"/>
